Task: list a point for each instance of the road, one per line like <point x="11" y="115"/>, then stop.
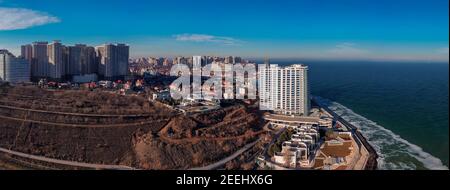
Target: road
<point x="73" y="114"/>
<point x="65" y="162"/>
<point x="227" y="159"/>
<point x="147" y="123"/>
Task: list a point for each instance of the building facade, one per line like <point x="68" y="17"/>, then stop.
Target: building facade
<point x="13" y="69"/>
<point x="55" y="53"/>
<point x="81" y="60"/>
<point x="123" y="56"/>
<point x="39" y="63"/>
<point x="106" y="58"/>
<point x="58" y="62"/>
<point x="27" y="52"/>
<point x="91" y="64"/>
<point x="113" y="60"/>
<point x="284" y="89"/>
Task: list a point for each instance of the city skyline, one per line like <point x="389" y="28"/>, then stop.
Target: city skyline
<point x="349" y="30"/>
<point x="79" y="62"/>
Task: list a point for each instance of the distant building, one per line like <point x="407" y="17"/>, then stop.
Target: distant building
<point x="74" y="54"/>
<point x="123" y="56"/>
<point x="229" y="59"/>
<point x="89" y="59"/>
<point x="13" y="69"/>
<point x="39" y="63"/>
<point x="113" y="60"/>
<point x="237" y="60"/>
<point x="58" y="62"/>
<point x="167" y="62"/>
<point x="180" y="60"/>
<point x="82" y="60"/>
<point x="27" y="52"/>
<point x="55" y="53"/>
<point x="284" y="89"/>
<point x="104" y="60"/>
<point x="160" y="61"/>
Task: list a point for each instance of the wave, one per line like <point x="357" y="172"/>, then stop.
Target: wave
<point x="395" y="153"/>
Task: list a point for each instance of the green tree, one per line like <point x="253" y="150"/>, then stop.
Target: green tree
<point x="273" y="149"/>
<point x="330" y="134"/>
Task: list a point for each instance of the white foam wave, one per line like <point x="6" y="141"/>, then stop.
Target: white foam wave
<point x="395" y="153"/>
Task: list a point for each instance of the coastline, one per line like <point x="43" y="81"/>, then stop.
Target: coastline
<point x="372" y="162"/>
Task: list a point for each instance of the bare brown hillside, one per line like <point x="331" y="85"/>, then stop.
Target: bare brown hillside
<point x="105" y="128"/>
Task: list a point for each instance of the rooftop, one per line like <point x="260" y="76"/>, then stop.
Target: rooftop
<point x="337" y="150"/>
<point x="293" y="119"/>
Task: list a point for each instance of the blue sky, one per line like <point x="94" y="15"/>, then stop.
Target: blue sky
<point x="315" y="29"/>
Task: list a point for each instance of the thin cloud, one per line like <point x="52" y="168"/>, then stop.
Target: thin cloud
<point x="19" y="18"/>
<point x="347" y="49"/>
<point x="443" y="50"/>
<point x="207" y="38"/>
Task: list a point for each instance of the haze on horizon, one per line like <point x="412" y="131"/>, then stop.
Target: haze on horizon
<point x="414" y="30"/>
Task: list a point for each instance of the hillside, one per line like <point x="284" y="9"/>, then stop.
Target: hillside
<point x="105" y="128"/>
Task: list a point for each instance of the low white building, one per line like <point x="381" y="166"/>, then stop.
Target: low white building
<point x="277" y="120"/>
<point x="300" y="149"/>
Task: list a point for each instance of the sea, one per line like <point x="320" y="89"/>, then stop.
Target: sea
<point x="401" y="108"/>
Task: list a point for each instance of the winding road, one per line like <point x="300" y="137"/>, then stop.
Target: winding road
<point x="227" y="159"/>
<point x="65" y="162"/>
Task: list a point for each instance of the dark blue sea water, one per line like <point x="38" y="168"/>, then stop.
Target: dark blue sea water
<point x="402" y="108"/>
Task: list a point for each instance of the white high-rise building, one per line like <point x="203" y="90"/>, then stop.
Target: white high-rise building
<point x="13" y="69"/>
<point x="284" y="89"/>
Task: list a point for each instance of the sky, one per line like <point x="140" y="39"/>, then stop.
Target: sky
<point x="394" y="30"/>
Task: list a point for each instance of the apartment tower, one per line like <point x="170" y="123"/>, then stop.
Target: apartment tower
<point x="284" y="90"/>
